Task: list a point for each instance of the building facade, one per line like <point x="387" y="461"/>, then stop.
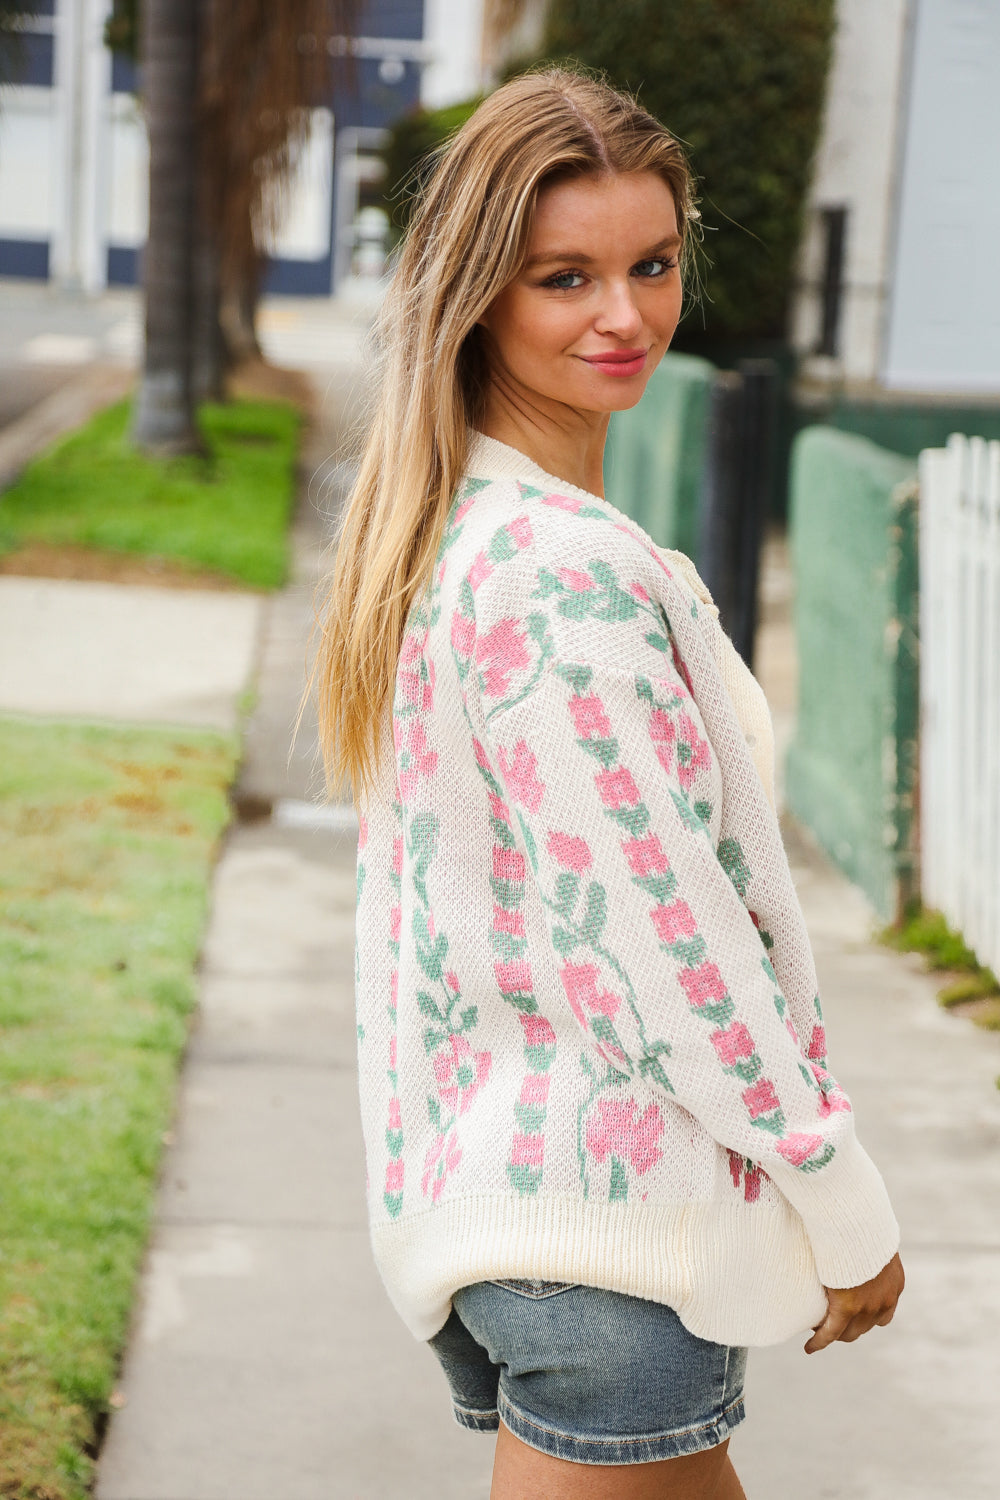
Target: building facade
<point x="898" y="290"/>
<point x="74" y="159"/>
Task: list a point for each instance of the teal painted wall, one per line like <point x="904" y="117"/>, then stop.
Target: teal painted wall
<point x="655" y="452"/>
<point x="907" y="427"/>
<point x="851" y="773"/>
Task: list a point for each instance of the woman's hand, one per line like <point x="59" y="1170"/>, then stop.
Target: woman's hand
<point x="852" y="1310"/>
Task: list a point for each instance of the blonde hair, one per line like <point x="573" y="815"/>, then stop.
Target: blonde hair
<point x="466" y="242"/>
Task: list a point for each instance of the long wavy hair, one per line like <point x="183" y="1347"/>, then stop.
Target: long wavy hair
<point x="467" y="240"/>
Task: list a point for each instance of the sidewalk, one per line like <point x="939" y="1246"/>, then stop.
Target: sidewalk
<point x="265" y="1362"/>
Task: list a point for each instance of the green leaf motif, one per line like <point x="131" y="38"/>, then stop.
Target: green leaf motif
<point x="596" y="912"/>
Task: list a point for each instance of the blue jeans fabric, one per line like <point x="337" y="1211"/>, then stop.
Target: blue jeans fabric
<point x="586" y="1374"/>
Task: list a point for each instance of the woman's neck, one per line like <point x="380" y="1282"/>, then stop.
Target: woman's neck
<point x="572" y="449"/>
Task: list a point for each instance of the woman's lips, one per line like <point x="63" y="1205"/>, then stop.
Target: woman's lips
<point x="617" y="362"/>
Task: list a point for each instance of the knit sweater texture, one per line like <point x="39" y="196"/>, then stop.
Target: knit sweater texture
<point x="590" y="1041"/>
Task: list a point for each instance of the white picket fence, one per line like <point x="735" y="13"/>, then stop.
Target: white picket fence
<point x="960" y="689"/>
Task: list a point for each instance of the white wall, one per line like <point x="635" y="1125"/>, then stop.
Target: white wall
<point x="944" y="325"/>
<point x="453" y="37"/>
<point x="855" y="168"/>
<point x="28" y="178"/>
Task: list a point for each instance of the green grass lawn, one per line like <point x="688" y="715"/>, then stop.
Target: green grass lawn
<point x="108" y="841"/>
<point x="227" y="512"/>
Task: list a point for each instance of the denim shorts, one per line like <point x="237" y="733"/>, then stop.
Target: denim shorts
<point x="585" y="1374"/>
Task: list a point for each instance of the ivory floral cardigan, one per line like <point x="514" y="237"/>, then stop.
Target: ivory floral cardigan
<point x="589" y="1036"/>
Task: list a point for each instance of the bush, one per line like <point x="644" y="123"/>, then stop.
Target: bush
<point x="407" y="154"/>
<point x="741" y="83"/>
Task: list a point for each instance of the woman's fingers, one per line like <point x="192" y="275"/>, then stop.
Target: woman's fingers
<point x="852" y="1311"/>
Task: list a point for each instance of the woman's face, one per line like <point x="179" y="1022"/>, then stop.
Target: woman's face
<point x="593" y="310"/>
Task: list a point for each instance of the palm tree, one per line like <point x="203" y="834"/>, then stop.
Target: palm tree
<point x="164" y="411"/>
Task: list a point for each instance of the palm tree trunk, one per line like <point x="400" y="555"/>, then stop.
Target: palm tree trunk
<point x="164" y="413"/>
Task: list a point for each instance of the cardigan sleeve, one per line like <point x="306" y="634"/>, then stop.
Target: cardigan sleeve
<point x="659" y="959"/>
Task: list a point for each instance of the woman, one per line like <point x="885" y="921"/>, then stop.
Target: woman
<point x="604" y="1151"/>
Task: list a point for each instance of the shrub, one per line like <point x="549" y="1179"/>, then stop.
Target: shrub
<point x="741" y="83"/>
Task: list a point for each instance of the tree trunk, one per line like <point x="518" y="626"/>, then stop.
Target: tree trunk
<point x="209" y="351"/>
<point x="164" y="413"/>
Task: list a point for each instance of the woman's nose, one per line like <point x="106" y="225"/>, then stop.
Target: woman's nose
<point x="618" y="312"/>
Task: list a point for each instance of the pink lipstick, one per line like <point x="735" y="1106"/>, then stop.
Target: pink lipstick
<point x="617" y="361"/>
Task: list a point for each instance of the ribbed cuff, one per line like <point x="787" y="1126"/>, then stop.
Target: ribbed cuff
<point x="847" y="1214"/>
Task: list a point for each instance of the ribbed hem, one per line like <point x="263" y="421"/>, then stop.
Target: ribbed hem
<point x="473" y="1418"/>
<point x="735" y="1273"/>
<point x="643" y="1448"/>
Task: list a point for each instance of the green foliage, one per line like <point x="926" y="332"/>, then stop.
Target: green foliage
<point x="741" y="83"/>
<point x="407" y="153"/>
<point x="228" y="513"/>
<point x="927" y="932"/>
<point x="109" y="836"/>
<point x="121" y="29"/>
<point x="977" y="987"/>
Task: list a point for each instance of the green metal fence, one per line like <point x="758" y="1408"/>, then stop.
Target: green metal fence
<point x="655" y="454"/>
<point x="852" y="768"/>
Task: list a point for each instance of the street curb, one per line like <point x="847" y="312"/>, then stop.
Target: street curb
<point x="96" y="387"/>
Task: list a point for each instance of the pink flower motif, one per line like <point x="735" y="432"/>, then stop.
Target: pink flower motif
<point x="571" y="852"/>
<point x="463" y="634"/>
<point x="443" y="1157"/>
<point x="580" y="983"/>
<point x="499" y="809"/>
<point x="589" y="717"/>
<point x="451" y="980"/>
<point x="508" y="921"/>
<point x="761" y="1099"/>
<point x="817" y="1044"/>
<point x="482" y="759"/>
<point x="699" y="758"/>
<point x="645" y="856"/>
<point x="674" y="921"/>
<point x="798" y="1147"/>
<point x="500" y="652"/>
<point x="617" y="1130"/>
<point x="463" y="509"/>
<point x="752" y="1183"/>
<point x="481" y="569"/>
<point x="580" y="583"/>
<point x="513" y="978"/>
<point x="527" y="1150"/>
<point x="563" y="502"/>
<point x="733" y="1043"/>
<point x="397" y="854"/>
<point x="395" y="923"/>
<point x="521" y="775"/>
<point x="460" y="1073"/>
<point x="639" y="592"/>
<point x="703" y="984"/>
<point x="617" y="787"/>
<point x="420" y="761"/>
<point x="395" y="1119"/>
<point x="507" y="864"/>
<point x="520" y="532"/>
<point x="535" y="1089"/>
<point x="537" y="1030"/>
<point x="394" y="1176"/>
<point x="427" y="688"/>
<point x="663" y="733"/>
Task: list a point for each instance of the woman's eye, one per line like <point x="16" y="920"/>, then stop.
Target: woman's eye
<point x="653" y="268"/>
<point x="565" y="281"/>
